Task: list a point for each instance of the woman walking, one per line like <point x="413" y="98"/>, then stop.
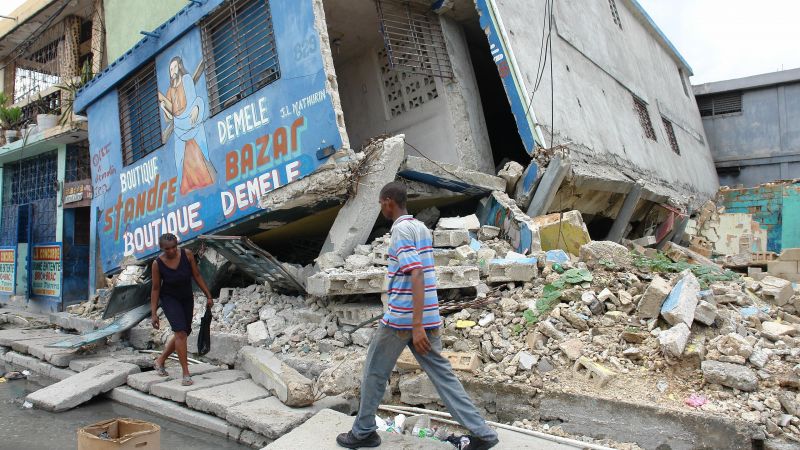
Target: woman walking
<point x="173" y="271"/>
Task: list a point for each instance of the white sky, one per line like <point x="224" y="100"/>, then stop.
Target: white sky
<point x="720" y="39"/>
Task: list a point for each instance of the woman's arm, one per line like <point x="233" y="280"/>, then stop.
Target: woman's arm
<point x="154" y="294"/>
<point x="199" y="278"/>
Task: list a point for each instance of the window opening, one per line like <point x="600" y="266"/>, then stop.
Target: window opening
<point x="644" y="118"/>
<point x="413" y="39"/>
<point x="673" y="142"/>
<point x="404" y="91"/>
<point x="140" y="121"/>
<point x="240" y="51"/>
<point x="614" y="13"/>
<point x="715" y="105"/>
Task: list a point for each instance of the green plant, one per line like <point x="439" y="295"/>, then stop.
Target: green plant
<point x="705" y="274"/>
<point x="11" y="117"/>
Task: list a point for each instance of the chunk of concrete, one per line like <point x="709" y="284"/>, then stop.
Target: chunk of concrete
<point x="594" y="371"/>
<point x="470" y="223"/>
<point x="271" y="418"/>
<point x="775" y="290"/>
<point x="653" y="297"/>
<point x="218" y="399"/>
<point x="368" y="281"/>
<point x="257" y="333"/>
<point x="517" y="227"/>
<point x="572" y="348"/>
<point x="776" y="330"/>
<point x="145" y="380"/>
<point x="488" y="232"/>
<point x="224" y="347"/>
<point x="417" y="389"/>
<point x="355" y="313"/>
<point x="731" y="375"/>
<point x="82" y="387"/>
<point x="705" y="313"/>
<point x="175" y="391"/>
<point x="456" y="277"/>
<point x="355" y="220"/>
<point x="466" y="361"/>
<point x="320" y="431"/>
<point x="292" y="388"/>
<point x="682" y="301"/>
<point x="596" y="251"/>
<point x="564" y="231"/>
<point x="507" y="270"/>
<point x="450" y="238"/>
<point x="673" y="341"/>
<point x="511" y="172"/>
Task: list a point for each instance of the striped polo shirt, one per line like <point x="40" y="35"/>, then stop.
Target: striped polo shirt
<point x="411" y="247"/>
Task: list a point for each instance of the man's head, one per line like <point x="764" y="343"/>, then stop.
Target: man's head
<point x="169" y="244"/>
<point x="176" y="70"/>
<point x="393" y="198"/>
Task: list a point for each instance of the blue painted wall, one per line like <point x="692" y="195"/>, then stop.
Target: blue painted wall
<point x="776" y="207"/>
<point x="282" y="131"/>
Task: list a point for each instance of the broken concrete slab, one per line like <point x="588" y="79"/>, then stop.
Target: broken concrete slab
<point x="773" y="289"/>
<point x="682" y="301"/>
<point x="37" y="366"/>
<point x="145" y="380"/>
<point x="731" y="375"/>
<point x="320" y="431"/>
<point x="653" y="297"/>
<point x="216" y="400"/>
<point x="564" y="231"/>
<point x="596" y="251"/>
<point x="355" y="313"/>
<point x="174" y="412"/>
<point x="257" y="333"/>
<point x="450" y="176"/>
<point x="705" y="313"/>
<point x="516" y="226"/>
<point x="60" y="357"/>
<point x="271" y="418"/>
<point x="511" y="172"/>
<point x="290" y="387"/>
<point x="470" y="223"/>
<point x="175" y="391"/>
<point x="526" y="186"/>
<point x="548" y="186"/>
<point x="355" y="220"/>
<point x="82" y="387"/>
<point x="69" y="321"/>
<point x="10" y="336"/>
<point x="593" y="371"/>
<point x="456" y="277"/>
<point x="224" y="347"/>
<point x="346" y="283"/>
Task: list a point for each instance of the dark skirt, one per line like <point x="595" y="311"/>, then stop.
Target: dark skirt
<point x="178" y="312"/>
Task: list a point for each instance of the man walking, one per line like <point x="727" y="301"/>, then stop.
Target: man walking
<point x="412" y="319"/>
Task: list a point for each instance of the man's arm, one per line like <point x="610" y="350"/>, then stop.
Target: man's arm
<point x="421" y="343"/>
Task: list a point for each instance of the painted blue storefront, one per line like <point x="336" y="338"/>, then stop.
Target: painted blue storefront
<point x="211" y="167"/>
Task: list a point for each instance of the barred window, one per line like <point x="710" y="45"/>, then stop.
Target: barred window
<point x="718" y="104"/>
<point x="644" y="118"/>
<point x="673" y="142"/>
<point x="240" y="51"/>
<point x="139" y="115"/>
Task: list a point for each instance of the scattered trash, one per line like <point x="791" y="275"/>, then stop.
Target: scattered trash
<point x="15" y="375"/>
<point x="27" y="405"/>
<point x="696" y="400"/>
<point x="662" y="386"/>
<point x="120" y="434"/>
<point x="26" y="372"/>
<point x="465" y="324"/>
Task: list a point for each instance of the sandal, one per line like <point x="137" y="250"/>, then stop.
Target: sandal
<point x="160" y="370"/>
<point x="187" y="381"/>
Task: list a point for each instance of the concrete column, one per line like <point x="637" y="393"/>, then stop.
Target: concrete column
<point x="69" y="52"/>
<point x="61" y="169"/>
<point x="98" y="37"/>
<point x="548" y="187"/>
<point x="355" y="220"/>
<point x="625" y="214"/>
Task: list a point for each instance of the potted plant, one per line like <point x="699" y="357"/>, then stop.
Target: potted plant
<point x="44" y="117"/>
<point x="72" y="86"/>
<point x="12" y="119"/>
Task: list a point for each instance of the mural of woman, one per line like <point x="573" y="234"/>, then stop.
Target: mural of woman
<point x="187" y="112"/>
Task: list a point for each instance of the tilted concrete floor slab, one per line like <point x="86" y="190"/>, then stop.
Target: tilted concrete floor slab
<point x="273" y="419"/>
<point x="218" y="399"/>
<point x="145" y="380"/>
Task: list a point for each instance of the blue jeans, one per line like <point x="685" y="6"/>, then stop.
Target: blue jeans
<point x="387" y="344"/>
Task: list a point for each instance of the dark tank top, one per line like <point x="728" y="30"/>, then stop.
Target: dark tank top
<point x="176" y="283"/>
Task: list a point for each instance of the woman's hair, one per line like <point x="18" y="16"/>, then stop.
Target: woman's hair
<point x="167" y="237"/>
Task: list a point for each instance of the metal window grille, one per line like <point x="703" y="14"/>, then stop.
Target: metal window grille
<point x="36" y="71"/>
<point x="404" y="91"/>
<point x="31" y="182"/>
<point x="77" y="167"/>
<point x="715" y="105"/>
<point x="48" y="104"/>
<point x="240" y="51"/>
<point x="139" y="115"/>
<point x="413" y="39"/>
<point x="644" y="118"/>
<point x="673" y="142"/>
<point x="614" y="13"/>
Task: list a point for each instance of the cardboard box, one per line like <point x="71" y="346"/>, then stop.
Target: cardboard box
<point x="123" y="434"/>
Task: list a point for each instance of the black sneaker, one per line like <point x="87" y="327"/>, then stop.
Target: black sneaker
<point x="348" y="440"/>
<point x="476" y="443"/>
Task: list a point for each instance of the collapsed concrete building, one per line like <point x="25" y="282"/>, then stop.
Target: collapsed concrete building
<point x="285" y="138"/>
